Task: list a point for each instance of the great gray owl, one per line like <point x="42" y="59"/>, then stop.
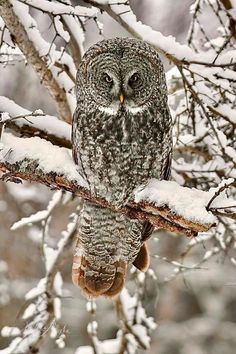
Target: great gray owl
<point x="122" y="137"/>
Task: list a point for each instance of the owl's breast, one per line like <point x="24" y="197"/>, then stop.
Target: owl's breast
<point x="118" y="153"/>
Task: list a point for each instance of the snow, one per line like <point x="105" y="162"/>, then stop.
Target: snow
<point x="43" y="47"/>
<point x="10" y="331"/>
<point x="63" y="8"/>
<point x="51" y="158"/>
<point x="92" y="327"/>
<point x="38" y="290"/>
<point x="228" y="112"/>
<point x="91" y="306"/>
<point x="165" y="44"/>
<point x="186" y="202"/>
<point x="4" y="117"/>
<point x="74" y="26"/>
<point x="29" y="311"/>
<point x="109" y="346"/>
<point x="50" y="257"/>
<point x="140" y="331"/>
<point x="85" y="350"/>
<point x="47" y="123"/>
<point x="40" y="215"/>
<point x="59" y="28"/>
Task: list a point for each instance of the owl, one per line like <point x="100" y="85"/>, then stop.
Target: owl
<point x="121" y="138"/>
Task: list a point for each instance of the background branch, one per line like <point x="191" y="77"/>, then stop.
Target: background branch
<point x="27" y="47"/>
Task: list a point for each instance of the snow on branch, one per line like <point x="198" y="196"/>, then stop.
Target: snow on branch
<point x="165" y="204"/>
<point x="35" y="123"/>
<point x="30" y="42"/>
<point x="44" y="300"/>
<point x="178" y="53"/>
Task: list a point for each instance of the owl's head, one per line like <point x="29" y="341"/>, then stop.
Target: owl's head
<point x="122" y="73"/>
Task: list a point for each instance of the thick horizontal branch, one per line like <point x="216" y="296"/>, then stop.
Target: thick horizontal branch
<point x="37" y="160"/>
<point x="30" y="171"/>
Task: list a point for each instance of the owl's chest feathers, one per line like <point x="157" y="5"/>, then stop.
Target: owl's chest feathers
<point x="122" y="129"/>
<point x="117" y="153"/>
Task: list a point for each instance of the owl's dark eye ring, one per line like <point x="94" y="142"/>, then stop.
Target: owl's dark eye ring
<point x="107" y="78"/>
<point x="134" y="79"/>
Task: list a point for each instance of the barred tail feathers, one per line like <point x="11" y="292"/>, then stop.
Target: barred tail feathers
<point x="107" y="242"/>
<point x="97" y="282"/>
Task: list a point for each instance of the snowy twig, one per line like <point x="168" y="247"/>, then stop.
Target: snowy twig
<point x="27" y="47"/>
<point x="42" y="312"/>
<point x="34" y="123"/>
<point x="232" y="23"/>
<point x="135" y="324"/>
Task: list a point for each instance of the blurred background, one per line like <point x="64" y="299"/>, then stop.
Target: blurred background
<point x="195" y="309"/>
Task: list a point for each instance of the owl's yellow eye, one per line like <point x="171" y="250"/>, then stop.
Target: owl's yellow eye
<point x="107" y="78"/>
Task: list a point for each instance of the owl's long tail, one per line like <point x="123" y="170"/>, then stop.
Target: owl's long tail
<point x="107" y="242"/>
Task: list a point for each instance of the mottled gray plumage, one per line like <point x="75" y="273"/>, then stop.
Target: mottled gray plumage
<point x="118" y="145"/>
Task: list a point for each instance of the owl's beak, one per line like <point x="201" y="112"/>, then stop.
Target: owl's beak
<point x="121" y="98"/>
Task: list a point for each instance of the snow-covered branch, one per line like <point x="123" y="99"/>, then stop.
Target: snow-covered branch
<point x="44" y="301"/>
<point x="10" y="12"/>
<point x="165" y="204"/>
<point x="179" y="54"/>
<point x="35" y="123"/>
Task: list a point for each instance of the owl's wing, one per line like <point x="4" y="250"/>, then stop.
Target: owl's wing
<point x="142" y="260"/>
<point x="73" y="137"/>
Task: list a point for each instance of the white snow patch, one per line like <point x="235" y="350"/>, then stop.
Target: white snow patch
<point x="109" y="346"/>
<point x="10" y="331"/>
<point x="51" y="158"/>
<point x="141" y="331"/>
<point x="38" y="290"/>
<point x="29" y="311"/>
<point x="187" y="202"/>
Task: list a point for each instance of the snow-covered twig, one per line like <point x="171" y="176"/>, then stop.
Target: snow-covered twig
<point x="44" y="300"/>
<point x="28" y="48"/>
<point x="34" y="123"/>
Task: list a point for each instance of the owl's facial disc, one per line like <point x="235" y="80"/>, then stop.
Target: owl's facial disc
<point x="120" y="83"/>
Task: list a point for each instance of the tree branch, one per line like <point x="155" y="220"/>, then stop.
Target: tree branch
<point x="28" y="48"/>
<point x="232" y="23"/>
<point x="36" y="160"/>
<point x="35" y="123"/>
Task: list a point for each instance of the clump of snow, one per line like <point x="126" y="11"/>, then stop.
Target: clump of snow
<point x="85" y="350"/>
<point x="51" y="158"/>
<point x="59" y="27"/>
<point x="4" y="117"/>
<point x="29" y="311"/>
<point x="91" y="306"/>
<point x="38" y="290"/>
<point x="10" y="331"/>
<point x="109" y="346"/>
<point x="187" y="202"/>
<point x="141" y="331"/>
